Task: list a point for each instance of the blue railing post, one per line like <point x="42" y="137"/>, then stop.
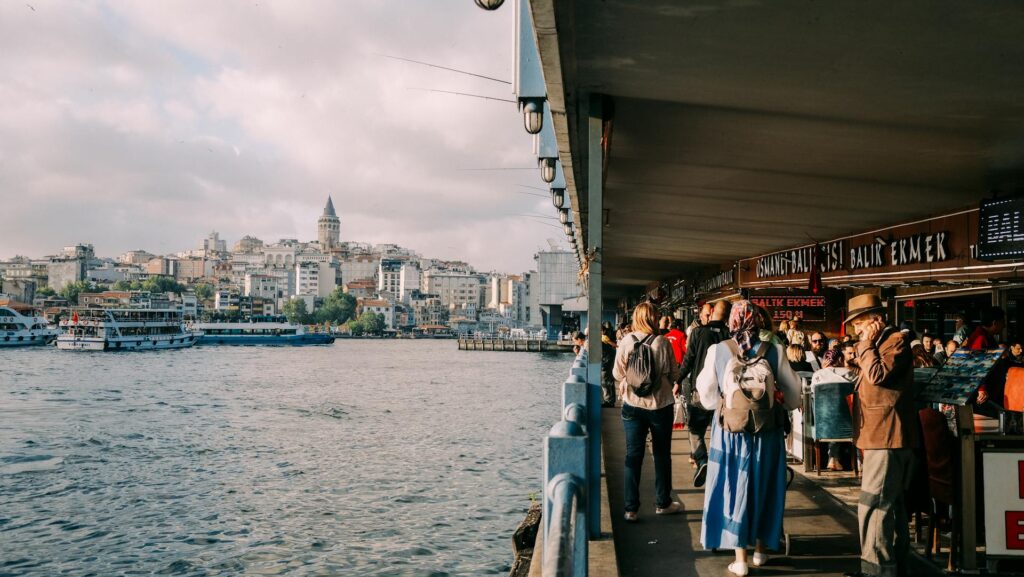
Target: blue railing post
<point x="565" y="495"/>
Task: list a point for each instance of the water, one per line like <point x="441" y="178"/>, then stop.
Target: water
<point x="361" y="458"/>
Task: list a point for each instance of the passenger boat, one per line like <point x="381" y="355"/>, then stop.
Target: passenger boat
<point x="259" y="331"/>
<point x="18" y="330"/>
<point x="125" y="330"/>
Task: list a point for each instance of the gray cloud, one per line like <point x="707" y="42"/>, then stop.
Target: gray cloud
<point x="147" y="124"/>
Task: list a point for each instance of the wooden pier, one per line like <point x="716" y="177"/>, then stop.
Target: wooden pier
<point x="515" y="345"/>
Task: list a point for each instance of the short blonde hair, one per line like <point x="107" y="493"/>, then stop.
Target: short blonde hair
<point x="645" y="319"/>
<point x="795" y="353"/>
<point x="783" y="326"/>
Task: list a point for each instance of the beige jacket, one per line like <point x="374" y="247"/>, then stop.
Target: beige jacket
<point x="668" y="372"/>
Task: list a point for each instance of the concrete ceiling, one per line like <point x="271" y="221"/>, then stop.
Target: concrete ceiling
<point x="743" y="127"/>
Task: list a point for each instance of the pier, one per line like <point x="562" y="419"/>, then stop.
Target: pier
<point x="515" y="345"/>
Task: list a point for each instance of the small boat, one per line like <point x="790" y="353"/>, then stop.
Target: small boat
<point x="19" y="330"/>
<point x="259" y="331"/>
<point x="98" y="329"/>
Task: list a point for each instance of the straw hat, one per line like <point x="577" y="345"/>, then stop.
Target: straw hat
<point x="863" y="304"/>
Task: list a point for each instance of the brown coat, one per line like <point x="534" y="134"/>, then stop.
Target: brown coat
<point x="884" y="416"/>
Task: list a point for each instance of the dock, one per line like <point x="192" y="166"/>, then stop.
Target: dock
<point x="515" y="345"/>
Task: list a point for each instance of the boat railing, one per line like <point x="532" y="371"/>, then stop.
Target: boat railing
<point x="571" y="488"/>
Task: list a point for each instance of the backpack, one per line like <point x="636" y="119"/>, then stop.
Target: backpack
<point x="750" y="408"/>
<point x="641" y="369"/>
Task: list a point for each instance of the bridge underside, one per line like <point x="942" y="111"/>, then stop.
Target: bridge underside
<point x="738" y="128"/>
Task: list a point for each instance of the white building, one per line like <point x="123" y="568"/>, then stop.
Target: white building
<point x="389" y="277"/>
<point x="138" y="257"/>
<point x="557" y="279"/>
<point x="410" y="281"/>
<point x="264" y="286"/>
<point x="214" y="244"/>
<point x="380" y="307"/>
<point x="360" y="267"/>
<point x="315" y="278"/>
<point x="453" y="288"/>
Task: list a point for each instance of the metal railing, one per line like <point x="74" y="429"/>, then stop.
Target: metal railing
<point x="568" y="462"/>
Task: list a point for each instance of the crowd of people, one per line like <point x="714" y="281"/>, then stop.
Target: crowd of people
<point x="738" y="377"/>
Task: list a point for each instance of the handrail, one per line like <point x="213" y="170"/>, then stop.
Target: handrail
<point x="559" y="555"/>
<point x="566" y="469"/>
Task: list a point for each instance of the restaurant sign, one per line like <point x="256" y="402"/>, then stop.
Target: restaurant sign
<point x="785" y="306"/>
<point x="1004" y="503"/>
<point x="724" y="279"/>
<point x="875" y="253"/>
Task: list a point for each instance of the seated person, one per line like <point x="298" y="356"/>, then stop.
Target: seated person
<point x="834" y="369"/>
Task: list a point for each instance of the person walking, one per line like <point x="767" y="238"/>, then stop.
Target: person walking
<point x="677" y="337"/>
<point x="608" y="352"/>
<point x="647" y="411"/>
<point x="698" y="419"/>
<point x="746" y="493"/>
<point x="886" y="429"/>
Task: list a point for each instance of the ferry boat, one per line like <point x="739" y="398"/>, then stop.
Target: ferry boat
<point x="259" y="331"/>
<point x="124" y="330"/>
<point x="18" y="330"/>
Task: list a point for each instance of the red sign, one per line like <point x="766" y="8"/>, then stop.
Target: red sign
<point x="786" y="307"/>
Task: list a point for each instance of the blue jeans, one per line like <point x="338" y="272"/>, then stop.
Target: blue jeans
<point x="638" y="423"/>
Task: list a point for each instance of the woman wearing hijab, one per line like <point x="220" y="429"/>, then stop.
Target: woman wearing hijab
<point x="746" y="487"/>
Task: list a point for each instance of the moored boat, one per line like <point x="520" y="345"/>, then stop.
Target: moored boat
<point x="259" y="331"/>
<point x="20" y="330"/>
<point x="93" y="329"/>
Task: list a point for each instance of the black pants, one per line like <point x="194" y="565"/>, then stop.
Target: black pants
<point x="638" y="423"/>
<point x="700" y="420"/>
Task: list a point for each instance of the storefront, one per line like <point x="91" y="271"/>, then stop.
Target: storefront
<point x="927" y="272"/>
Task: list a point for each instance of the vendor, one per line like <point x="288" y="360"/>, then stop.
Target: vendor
<point x="989" y="400"/>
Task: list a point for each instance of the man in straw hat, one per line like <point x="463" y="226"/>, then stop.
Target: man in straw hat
<point x="886" y="429"/>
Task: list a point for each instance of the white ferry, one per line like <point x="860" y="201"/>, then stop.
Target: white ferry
<point x="124" y="330"/>
<point x="18" y="330"/>
<point x="259" y="331"/>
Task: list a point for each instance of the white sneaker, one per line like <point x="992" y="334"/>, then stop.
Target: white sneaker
<point x="760" y="559"/>
<point x="738" y="568"/>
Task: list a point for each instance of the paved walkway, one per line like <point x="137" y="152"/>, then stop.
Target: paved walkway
<point x="823" y="536"/>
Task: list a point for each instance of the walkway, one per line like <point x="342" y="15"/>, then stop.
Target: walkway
<point x="823" y="535"/>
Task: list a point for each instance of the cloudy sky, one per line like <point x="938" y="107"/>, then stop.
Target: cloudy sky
<point x="148" y="124"/>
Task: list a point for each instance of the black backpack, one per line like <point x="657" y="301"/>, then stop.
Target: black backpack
<point x="641" y="368"/>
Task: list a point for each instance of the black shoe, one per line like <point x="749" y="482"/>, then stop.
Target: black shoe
<point x="701" y="476"/>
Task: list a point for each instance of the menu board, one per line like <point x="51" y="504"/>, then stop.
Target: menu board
<point x="1001" y="229"/>
<point x="788" y="306"/>
<point x="960" y="377"/>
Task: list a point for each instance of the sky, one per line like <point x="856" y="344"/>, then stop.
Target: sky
<point x="146" y="125"/>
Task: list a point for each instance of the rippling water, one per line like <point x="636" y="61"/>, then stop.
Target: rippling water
<point x="361" y="458"/>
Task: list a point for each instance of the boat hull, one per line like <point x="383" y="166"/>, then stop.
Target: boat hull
<point x="265" y="340"/>
<point x="70" y="343"/>
<point x="11" y="339"/>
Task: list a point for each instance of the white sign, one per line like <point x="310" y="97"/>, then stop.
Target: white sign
<point x="1004" y="503"/>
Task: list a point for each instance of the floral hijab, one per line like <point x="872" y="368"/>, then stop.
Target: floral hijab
<point x="745" y="324"/>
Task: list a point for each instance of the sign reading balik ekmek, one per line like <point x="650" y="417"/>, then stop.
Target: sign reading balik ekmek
<point x="910" y="250"/>
<point x="784" y="307"/>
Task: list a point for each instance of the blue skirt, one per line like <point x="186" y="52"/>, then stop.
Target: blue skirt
<point x="745" y="495"/>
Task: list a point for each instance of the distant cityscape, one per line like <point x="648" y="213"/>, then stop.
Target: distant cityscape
<point x="301" y="279"/>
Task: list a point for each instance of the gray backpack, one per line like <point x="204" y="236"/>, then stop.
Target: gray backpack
<point x="751" y="408"/>
<point x="641" y="368"/>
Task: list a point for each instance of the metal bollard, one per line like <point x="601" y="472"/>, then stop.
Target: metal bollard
<point x="565" y="497"/>
<point x="579" y="368"/>
<point x="574" y="391"/>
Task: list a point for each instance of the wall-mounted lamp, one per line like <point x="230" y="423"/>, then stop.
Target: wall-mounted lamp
<point x="533" y="114"/>
<point x="567" y="227"/>
<point x="490" y="4"/>
<point x="563" y="215"/>
<point x="558" y="197"/>
<point x="547" y="169"/>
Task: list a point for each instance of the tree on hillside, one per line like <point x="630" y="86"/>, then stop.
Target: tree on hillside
<point x="162" y="284"/>
<point x="372" y="323"/>
<point x="295" y="311"/>
<point x="337" y="308"/>
<point x="204" y="291"/>
<point x="45" y="292"/>
<point x="72" y="290"/>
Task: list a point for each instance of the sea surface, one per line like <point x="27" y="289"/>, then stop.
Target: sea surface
<point x="361" y="458"/>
